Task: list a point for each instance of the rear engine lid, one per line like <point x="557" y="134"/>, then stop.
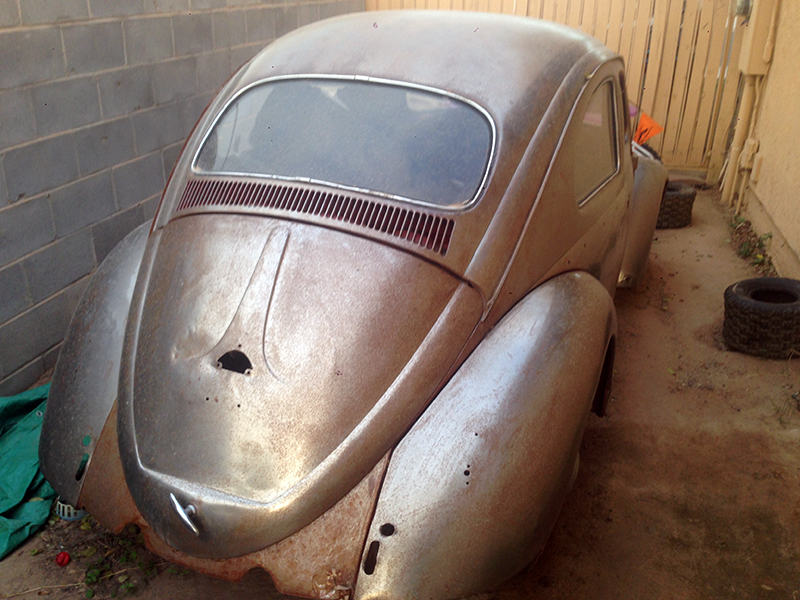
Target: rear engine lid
<point x="275" y="363"/>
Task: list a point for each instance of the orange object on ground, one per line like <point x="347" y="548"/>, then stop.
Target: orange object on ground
<point x="647" y="128"/>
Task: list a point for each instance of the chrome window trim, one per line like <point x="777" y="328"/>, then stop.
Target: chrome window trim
<point x="448" y="207"/>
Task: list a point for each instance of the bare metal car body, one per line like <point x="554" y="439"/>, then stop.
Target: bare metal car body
<point x="370" y="389"/>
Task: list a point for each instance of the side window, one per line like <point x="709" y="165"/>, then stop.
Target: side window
<point x="595" y="150"/>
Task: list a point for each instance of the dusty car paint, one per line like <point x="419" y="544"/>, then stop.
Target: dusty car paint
<point x="481" y="467"/>
<point x="650" y="182"/>
<point x="291" y="342"/>
<point x="88" y="368"/>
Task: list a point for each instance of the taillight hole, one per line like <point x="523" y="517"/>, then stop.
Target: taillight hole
<point x="372" y="557"/>
<point x="387" y="529"/>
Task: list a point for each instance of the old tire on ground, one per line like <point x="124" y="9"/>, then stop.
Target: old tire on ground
<point x="762" y="317"/>
<point x="676" y="206"/>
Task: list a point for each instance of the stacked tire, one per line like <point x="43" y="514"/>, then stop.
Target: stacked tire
<point x="676" y="206"/>
<point x="762" y="317"/>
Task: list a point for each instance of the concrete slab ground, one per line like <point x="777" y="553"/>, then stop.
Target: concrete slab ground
<point x="689" y="488"/>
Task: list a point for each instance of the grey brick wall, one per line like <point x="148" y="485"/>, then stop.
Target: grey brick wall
<point x="96" y="98"/>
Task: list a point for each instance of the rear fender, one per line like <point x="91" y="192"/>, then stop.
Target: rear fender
<point x="649" y="182"/>
<point x="473" y="490"/>
<point x="85" y="380"/>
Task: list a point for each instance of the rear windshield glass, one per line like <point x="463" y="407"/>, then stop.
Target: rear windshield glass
<point x="384" y="138"/>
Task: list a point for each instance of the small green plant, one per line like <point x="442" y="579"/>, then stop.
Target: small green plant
<point x="92" y="575"/>
<point x="86" y="523"/>
<point x="751" y="246"/>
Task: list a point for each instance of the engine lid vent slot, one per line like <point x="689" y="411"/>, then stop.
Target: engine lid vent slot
<point x="418" y="227"/>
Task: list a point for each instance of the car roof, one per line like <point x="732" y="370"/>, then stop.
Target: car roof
<point x="502" y="62"/>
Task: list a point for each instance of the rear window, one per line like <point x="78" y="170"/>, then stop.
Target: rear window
<point x="390" y="139"/>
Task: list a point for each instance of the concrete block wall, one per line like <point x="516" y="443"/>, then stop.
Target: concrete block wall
<point x="96" y="98"/>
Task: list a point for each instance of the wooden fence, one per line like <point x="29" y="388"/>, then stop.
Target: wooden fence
<point x="681" y="58"/>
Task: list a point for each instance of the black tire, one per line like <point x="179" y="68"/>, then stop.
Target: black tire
<point x="676" y="206"/>
<point x="762" y="317"/>
<point x="652" y="152"/>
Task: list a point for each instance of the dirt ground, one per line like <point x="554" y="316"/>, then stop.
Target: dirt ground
<point x="689" y="488"/>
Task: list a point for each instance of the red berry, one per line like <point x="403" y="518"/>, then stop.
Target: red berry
<point x="62" y="559"/>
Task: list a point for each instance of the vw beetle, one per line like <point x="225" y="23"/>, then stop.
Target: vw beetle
<point x="359" y="343"/>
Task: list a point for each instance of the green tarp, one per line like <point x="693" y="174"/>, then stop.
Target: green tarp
<point x="25" y="496"/>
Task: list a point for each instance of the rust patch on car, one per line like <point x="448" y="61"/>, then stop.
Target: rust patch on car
<point x="105" y="494"/>
<point x="319" y="561"/>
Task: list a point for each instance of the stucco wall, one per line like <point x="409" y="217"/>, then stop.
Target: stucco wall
<point x="778" y="132"/>
<point x="96" y="97"/>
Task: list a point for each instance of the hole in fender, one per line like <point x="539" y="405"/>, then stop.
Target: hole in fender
<point x="372" y="557"/>
<point x="82" y="467"/>
<point x="235" y="361"/>
<point x="387" y="529"/>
